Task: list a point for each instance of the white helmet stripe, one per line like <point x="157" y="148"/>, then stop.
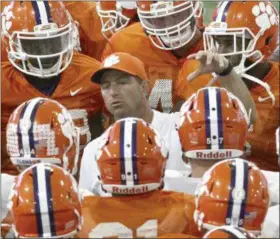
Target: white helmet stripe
<point x="239" y="187"/>
<point x="128" y="144"/>
<point x="221" y="11"/>
<point x="41" y="199"/>
<point x="25" y="125"/>
<point x="213" y="118"/>
<point x="43" y="12"/>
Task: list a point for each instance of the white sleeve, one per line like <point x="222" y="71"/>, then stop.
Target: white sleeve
<point x="88" y="170"/>
<point x="270" y="227"/>
<point x="7" y="184"/>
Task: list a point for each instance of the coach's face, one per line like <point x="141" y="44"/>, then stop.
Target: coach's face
<point x="122" y="93"/>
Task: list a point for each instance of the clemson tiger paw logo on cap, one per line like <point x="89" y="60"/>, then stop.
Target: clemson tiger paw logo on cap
<point x="265" y="16"/>
<point x="111" y="60"/>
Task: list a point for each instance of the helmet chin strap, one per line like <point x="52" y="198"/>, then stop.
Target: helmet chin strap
<point x="263" y="84"/>
<point x="241" y="70"/>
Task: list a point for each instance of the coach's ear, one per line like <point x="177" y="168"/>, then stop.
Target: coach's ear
<point x="146" y="88"/>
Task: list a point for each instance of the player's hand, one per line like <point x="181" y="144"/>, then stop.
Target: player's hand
<point x="209" y="63"/>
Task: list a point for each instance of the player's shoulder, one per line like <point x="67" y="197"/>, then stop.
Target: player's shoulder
<point x="90" y="200"/>
<point x="80" y="70"/>
<point x="91" y="150"/>
<point x="83" y="61"/>
<point x="92" y="145"/>
<point x="77" y="6"/>
<point x="161" y="119"/>
<point x="176" y="197"/>
<point x="7" y="69"/>
<point x="131" y="39"/>
<point x="130" y="32"/>
<point x="7" y="178"/>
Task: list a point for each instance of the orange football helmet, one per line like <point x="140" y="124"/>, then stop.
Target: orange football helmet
<point x="213" y="125"/>
<point x="40" y="36"/>
<point x="233" y="192"/>
<point x="170" y="24"/>
<point x="115" y="15"/>
<point x="42" y="130"/>
<point x="254" y="21"/>
<point x="131" y="158"/>
<point x="228" y="232"/>
<point x="45" y="203"/>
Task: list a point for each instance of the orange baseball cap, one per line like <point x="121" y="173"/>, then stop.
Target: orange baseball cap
<point x="122" y="62"/>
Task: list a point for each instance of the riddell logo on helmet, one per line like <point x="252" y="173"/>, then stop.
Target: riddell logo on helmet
<point x="131" y="190"/>
<point x="211" y="155"/>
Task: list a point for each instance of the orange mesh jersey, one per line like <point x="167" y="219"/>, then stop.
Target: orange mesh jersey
<point x="262" y="139"/>
<point x="146" y="215"/>
<point x="91" y="39"/>
<point x="162" y="66"/>
<point x="75" y="91"/>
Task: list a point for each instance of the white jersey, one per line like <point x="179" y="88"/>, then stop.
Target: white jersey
<point x="270" y="227"/>
<point x="164" y="123"/>
<point x="181" y="181"/>
<point x="7" y="183"/>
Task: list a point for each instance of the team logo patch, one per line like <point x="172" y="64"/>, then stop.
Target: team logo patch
<point x="111" y="60"/>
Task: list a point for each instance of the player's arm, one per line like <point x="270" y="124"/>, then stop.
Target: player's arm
<point x="211" y="62"/>
<point x="88" y="168"/>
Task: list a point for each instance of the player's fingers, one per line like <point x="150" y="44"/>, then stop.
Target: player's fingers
<point x="192" y="56"/>
<point x="221" y="61"/>
<point x="209" y="58"/>
<point x="193" y="75"/>
<point x="200" y="55"/>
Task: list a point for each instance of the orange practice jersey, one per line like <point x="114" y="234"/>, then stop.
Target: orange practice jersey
<point x="4" y="54"/>
<point x="162" y="66"/>
<point x="147" y="215"/>
<point x="75" y="91"/>
<point x="262" y="139"/>
<point x="91" y="39"/>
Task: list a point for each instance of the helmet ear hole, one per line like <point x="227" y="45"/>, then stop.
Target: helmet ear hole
<point x="211" y="187"/>
<point x="150" y="140"/>
<point x="267" y="40"/>
<point x="235" y="104"/>
<point x="191" y="106"/>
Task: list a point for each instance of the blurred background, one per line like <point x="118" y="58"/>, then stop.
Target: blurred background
<point x="210" y="5"/>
